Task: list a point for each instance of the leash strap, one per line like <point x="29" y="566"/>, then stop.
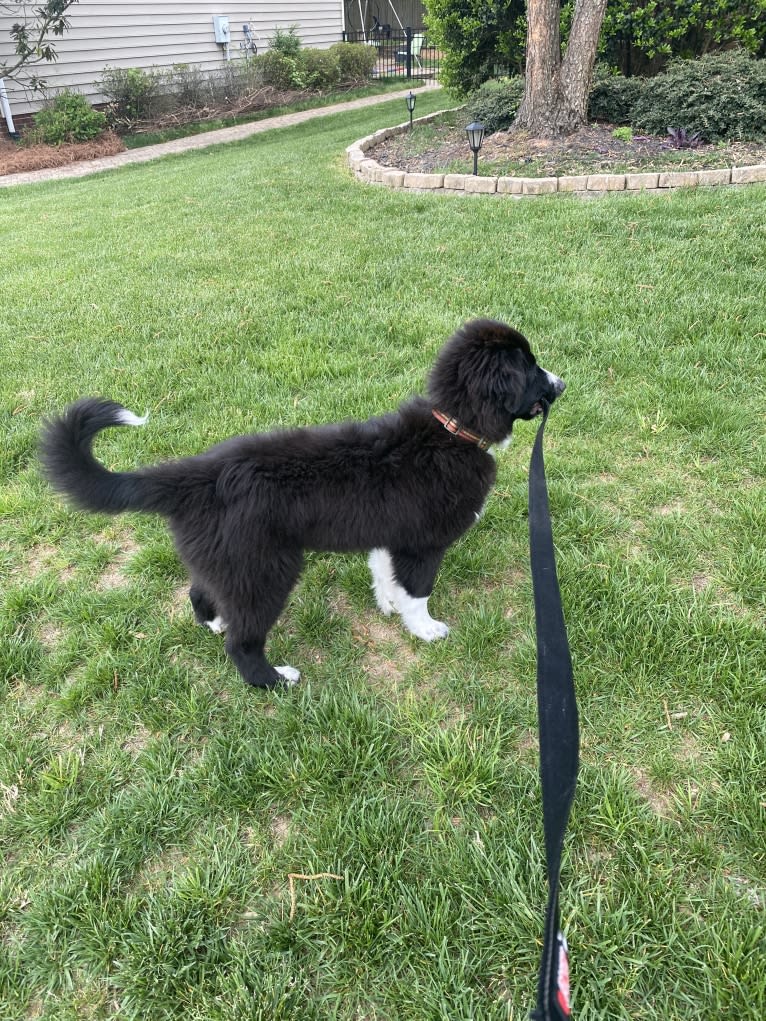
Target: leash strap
<point x="558" y="729"/>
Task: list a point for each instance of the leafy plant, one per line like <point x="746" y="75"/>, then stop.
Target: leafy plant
<point x="623" y="134"/>
<point x="639" y="37"/>
<point x="69" y="118"/>
<point x="682" y="139"/>
<point x="286" y="41"/>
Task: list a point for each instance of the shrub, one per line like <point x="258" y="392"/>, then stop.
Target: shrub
<point x="189" y="86"/>
<point x="722" y="96"/>
<point x="133" y="94"/>
<point x="69" y="118"/>
<point x="287" y="42"/>
<point x="476" y="37"/>
<point x="355" y="61"/>
<point x="613" y="98"/>
<point x="277" y="69"/>
<point x="318" y="69"/>
<point x="495" y="103"/>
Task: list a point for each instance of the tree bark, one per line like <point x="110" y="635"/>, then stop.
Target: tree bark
<point x="556" y="90"/>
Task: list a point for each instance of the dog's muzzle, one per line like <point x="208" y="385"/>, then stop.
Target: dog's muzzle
<point x="559" y="386"/>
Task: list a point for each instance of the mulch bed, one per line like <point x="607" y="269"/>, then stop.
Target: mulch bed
<point x="18" y="159"/>
<point x="593" y="150"/>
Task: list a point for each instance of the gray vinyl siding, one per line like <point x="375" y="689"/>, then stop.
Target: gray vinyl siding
<point x="147" y="34"/>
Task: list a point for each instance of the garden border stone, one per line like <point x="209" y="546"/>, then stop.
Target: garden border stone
<point x="369" y="170"/>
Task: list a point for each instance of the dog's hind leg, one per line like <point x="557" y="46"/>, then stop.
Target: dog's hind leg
<point x="412" y="580"/>
<point x="204" y="609"/>
<point x="252" y="613"/>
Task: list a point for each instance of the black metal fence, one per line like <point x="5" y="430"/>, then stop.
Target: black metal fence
<point x="401" y="54"/>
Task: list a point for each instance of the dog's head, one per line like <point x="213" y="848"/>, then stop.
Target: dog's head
<point x="486" y="377"/>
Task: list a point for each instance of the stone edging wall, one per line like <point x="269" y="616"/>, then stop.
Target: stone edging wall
<point x="369" y="170"/>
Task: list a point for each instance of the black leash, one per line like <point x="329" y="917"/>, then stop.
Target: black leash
<point x="559" y="733"/>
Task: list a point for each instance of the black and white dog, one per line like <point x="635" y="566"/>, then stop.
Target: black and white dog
<point x="403" y="486"/>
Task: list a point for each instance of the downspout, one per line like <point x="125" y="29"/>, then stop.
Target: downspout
<point x="5" y="106"/>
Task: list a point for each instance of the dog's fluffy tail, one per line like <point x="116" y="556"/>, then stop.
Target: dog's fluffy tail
<point x="71" y="468"/>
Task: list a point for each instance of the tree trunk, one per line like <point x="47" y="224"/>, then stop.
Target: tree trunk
<point x="556" y="91"/>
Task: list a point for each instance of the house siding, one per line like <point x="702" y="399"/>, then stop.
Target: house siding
<point x="148" y="34"/>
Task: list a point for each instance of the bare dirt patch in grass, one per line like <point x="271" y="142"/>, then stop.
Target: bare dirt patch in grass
<point x="43" y="558"/>
<point x="49" y="634"/>
<point x="280" y="827"/>
<point x="114" y="576"/>
<point x="16" y="158"/>
<point x="659" y="801"/>
<point x="137" y="742"/>
<point x="388" y="656"/>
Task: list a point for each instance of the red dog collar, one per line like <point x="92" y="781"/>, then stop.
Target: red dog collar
<point x="453" y="426"/>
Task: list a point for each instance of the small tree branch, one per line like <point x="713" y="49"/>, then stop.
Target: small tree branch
<point x="30" y="37"/>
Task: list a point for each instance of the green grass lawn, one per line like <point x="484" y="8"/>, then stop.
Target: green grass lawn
<point x="153" y="809"/>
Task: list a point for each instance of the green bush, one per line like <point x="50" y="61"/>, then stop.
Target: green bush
<point x="613" y="98"/>
<point x="495" y="103"/>
<point x="308" y="69"/>
<point x="317" y="69"/>
<point x="133" y="94"/>
<point x="277" y="69"/>
<point x="722" y="96"/>
<point x="476" y="39"/>
<point x="355" y="61"/>
<point x="287" y="42"/>
<point x="69" y="118"/>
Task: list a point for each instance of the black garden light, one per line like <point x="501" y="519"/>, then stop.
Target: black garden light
<point x="475" y="132"/>
<point x="410" y="101"/>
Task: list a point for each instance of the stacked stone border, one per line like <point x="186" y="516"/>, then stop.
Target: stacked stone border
<point x="369" y="170"/>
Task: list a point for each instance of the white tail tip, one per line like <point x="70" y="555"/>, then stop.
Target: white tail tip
<point x="126" y="417"/>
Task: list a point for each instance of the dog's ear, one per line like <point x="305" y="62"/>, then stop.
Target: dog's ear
<point x="480" y="377"/>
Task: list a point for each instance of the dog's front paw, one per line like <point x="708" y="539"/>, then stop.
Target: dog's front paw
<point x="217" y="625"/>
<point x="290" y="674"/>
<point x="430" y="630"/>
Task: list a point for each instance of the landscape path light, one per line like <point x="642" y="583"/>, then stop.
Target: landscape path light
<point x="410" y="101"/>
<point x="475" y="133"/>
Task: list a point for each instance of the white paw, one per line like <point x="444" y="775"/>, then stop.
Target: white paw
<point x="290" y="674"/>
<point x="429" y="630"/>
<point x="217" y="625"/>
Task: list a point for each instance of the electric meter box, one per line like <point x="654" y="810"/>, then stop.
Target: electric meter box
<point x="221" y="28"/>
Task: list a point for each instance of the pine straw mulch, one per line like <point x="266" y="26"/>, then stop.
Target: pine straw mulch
<point x="18" y="159"/>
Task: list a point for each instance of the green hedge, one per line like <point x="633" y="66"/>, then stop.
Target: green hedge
<point x="495" y="103"/>
<point x="613" y="97"/>
<point x="722" y="96"/>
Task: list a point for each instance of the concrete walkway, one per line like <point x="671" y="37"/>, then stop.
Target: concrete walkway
<point x="235" y="134"/>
